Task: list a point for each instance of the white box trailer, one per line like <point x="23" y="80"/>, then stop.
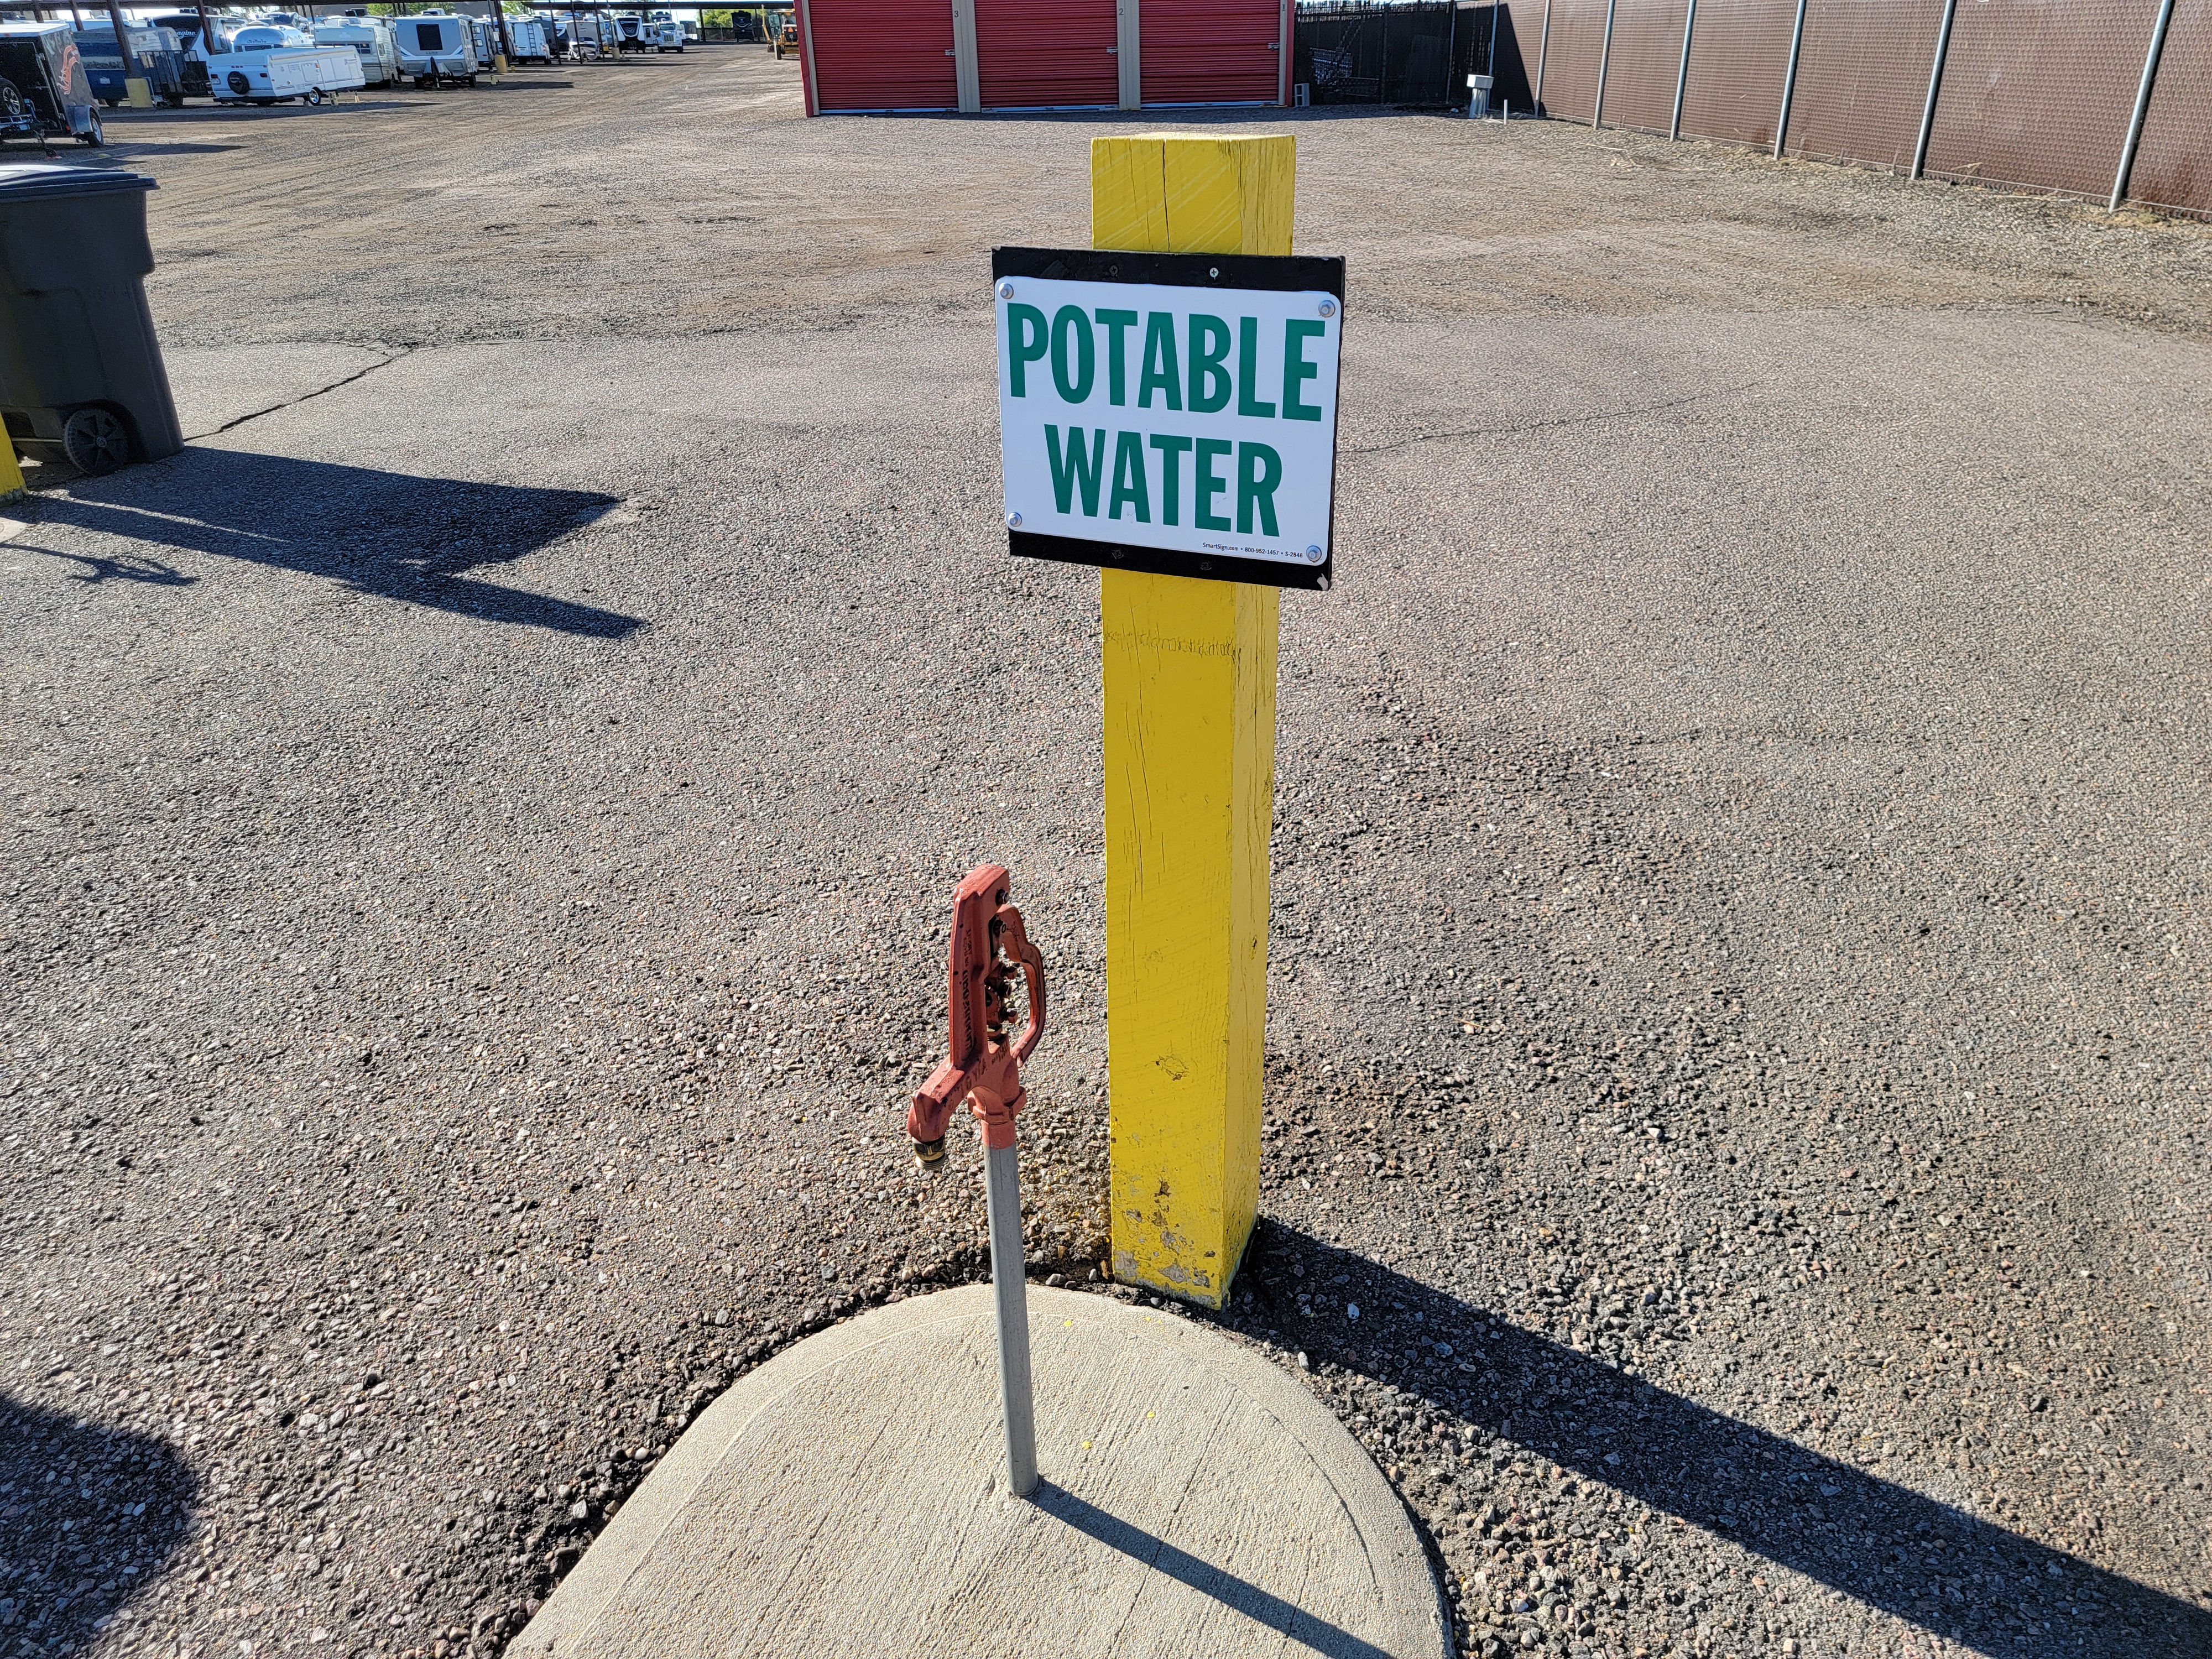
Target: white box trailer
<point x="370" y="38"/>
<point x="435" y="48"/>
<point x="258" y="72"/>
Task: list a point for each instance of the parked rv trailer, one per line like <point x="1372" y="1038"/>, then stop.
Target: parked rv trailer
<point x="531" y="39"/>
<point x="371" y="40"/>
<point x="436" y="48"/>
<point x="271" y="64"/>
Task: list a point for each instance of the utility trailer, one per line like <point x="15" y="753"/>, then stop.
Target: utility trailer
<point x="44" y="94"/>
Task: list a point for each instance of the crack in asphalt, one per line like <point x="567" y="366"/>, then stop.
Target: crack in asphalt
<point x="404" y="351"/>
<point x="1515" y="428"/>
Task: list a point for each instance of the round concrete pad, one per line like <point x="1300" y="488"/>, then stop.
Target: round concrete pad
<point x="849" y="1497"/>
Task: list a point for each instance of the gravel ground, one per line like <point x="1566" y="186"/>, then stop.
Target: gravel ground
<point x="478" y="856"/>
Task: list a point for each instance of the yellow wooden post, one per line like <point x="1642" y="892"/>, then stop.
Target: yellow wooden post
<point x="1190" y="787"/>
<point x="11" y="475"/>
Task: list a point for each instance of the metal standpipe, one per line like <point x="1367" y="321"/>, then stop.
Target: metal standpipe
<point x="1002" y="1182"/>
<point x="983" y="1069"/>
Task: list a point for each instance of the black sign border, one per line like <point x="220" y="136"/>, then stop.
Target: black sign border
<point x="1296" y="273"/>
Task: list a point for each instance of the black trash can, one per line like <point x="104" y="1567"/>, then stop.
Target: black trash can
<point x="81" y="374"/>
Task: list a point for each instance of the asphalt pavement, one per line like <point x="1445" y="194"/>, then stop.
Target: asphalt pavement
<point x="481" y="825"/>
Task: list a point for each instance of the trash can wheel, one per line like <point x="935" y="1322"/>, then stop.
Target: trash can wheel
<point x="96" y="440"/>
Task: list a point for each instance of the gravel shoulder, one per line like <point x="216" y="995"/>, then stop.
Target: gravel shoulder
<point x="479" y="832"/>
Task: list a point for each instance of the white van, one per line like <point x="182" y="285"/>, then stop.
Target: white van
<point x="271" y="63"/>
<point x="436" y="47"/>
<point x="371" y="39"/>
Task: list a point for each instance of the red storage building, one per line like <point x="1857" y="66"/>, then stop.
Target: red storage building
<point x="872" y="56"/>
<point x="1216" y="52"/>
<point x="880" y="54"/>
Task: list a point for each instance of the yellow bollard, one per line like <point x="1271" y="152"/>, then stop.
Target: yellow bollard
<point x="11" y="475"/>
<point x="1190" y="785"/>
<point x="499" y="63"/>
<point x="138" y="94"/>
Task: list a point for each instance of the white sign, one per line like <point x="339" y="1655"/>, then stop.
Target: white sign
<point x="1194" y="420"/>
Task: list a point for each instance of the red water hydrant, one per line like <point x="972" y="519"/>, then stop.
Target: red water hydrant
<point x="981" y="1066"/>
<point x="986" y="1070"/>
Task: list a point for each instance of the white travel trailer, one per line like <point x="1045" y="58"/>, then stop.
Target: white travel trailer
<point x="436" y="47"/>
<point x="371" y="40"/>
<point x="270" y="63"/>
<point x="532" y="41"/>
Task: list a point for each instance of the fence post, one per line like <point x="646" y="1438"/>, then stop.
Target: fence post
<point x="1451" y="57"/>
<point x="1935" y="81"/>
<point x="1790" y="82"/>
<point x="1682" y="75"/>
<point x="1190" y="728"/>
<point x="1543" y="50"/>
<point x="2143" y="105"/>
<point x="1604" y="53"/>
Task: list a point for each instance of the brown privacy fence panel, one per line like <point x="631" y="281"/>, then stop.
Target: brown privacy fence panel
<point x="2173" y="166"/>
<point x="1736" y="66"/>
<point x="2038" y="92"/>
<point x="1570" y="56"/>
<point x="2034" y="94"/>
<point x="1862" y="80"/>
<point x="1640" y="69"/>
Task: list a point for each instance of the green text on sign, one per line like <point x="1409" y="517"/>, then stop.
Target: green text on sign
<point x="1200" y="420"/>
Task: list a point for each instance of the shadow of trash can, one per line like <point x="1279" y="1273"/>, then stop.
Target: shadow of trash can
<point x="81" y="373"/>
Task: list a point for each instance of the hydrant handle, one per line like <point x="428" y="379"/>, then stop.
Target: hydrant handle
<point x="980" y="1062"/>
<point x="1014" y="940"/>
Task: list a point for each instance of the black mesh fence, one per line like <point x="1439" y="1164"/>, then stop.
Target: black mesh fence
<point x="1418" y="52"/>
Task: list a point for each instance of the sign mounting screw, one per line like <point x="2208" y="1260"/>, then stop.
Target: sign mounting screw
<point x="1328" y="307"/>
<point x="1313" y="554"/>
<point x="1006" y="290"/>
<point x="1014" y="521"/>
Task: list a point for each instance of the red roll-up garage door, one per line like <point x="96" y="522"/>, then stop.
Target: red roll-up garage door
<point x="1048" y="54"/>
<point x="883" y="54"/>
<point x="1212" y="51"/>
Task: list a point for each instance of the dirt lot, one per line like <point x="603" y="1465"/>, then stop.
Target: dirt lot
<point x="479" y="827"/>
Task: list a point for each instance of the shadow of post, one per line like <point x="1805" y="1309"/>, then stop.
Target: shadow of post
<point x="386" y="534"/>
<point x="1894" y="1549"/>
<point x="1311" y="1632"/>
<point x="89" y="1516"/>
